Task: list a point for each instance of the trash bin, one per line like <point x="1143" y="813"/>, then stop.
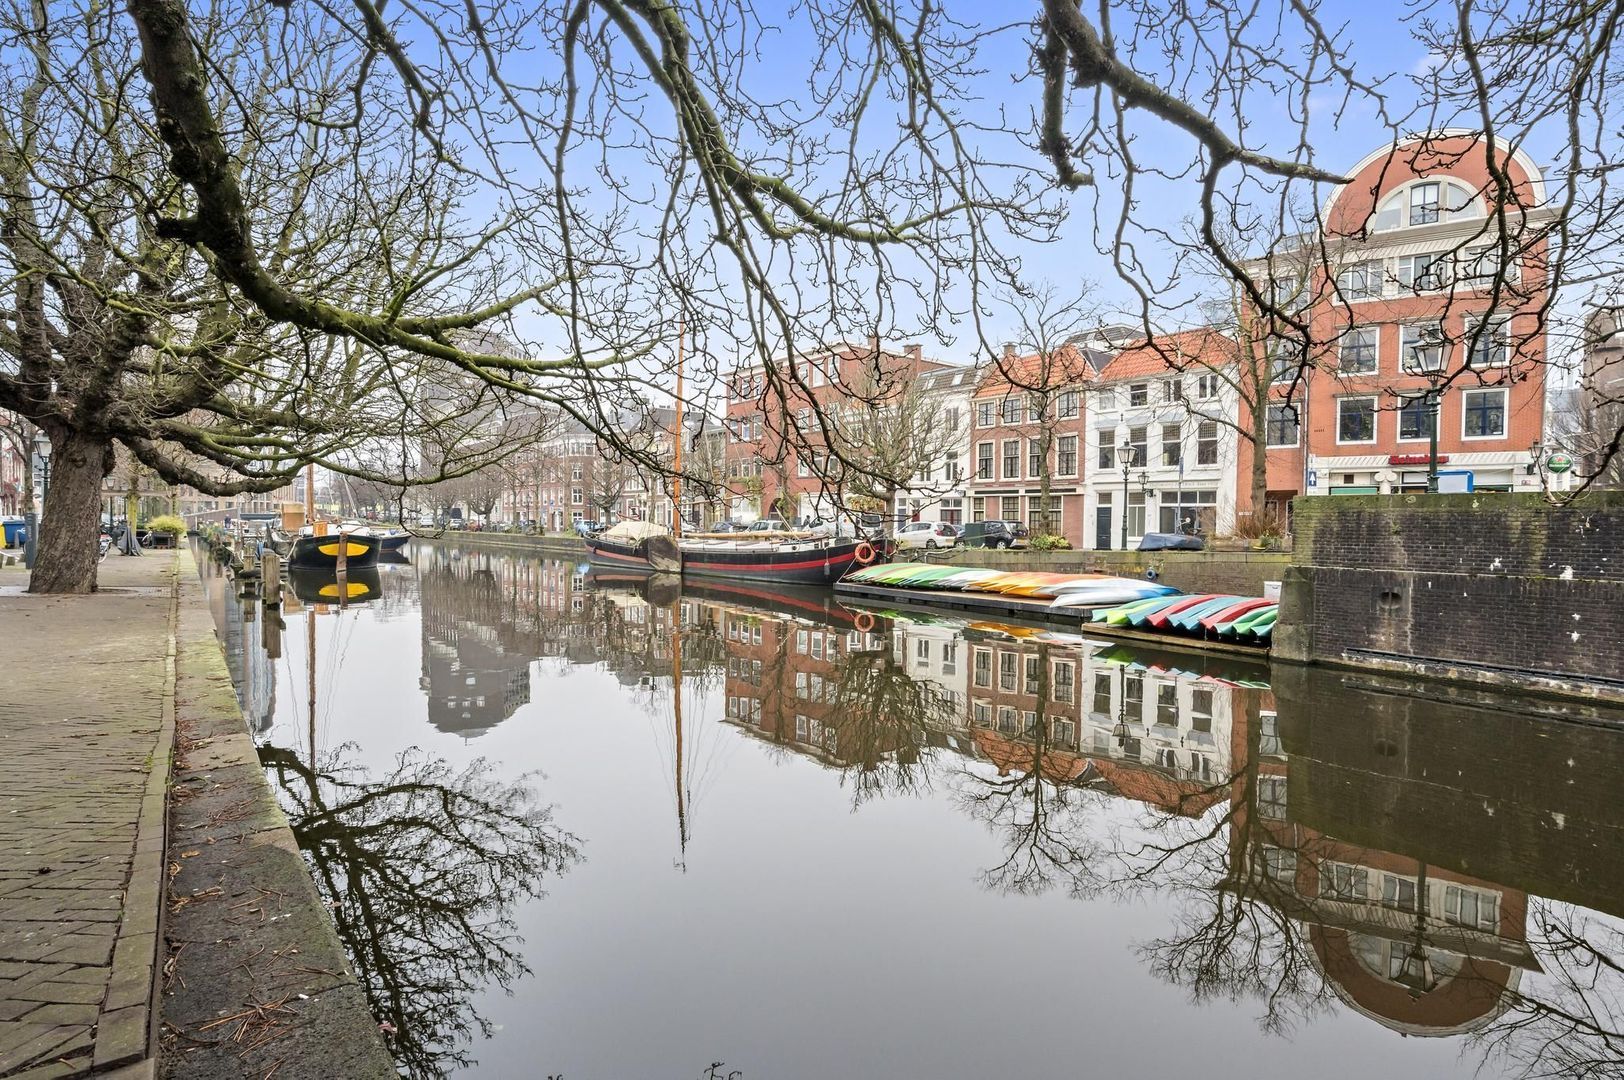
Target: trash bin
<point x="16" y="531"/>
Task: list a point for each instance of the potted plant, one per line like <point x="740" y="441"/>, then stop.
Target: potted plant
<point x="166" y="529"/>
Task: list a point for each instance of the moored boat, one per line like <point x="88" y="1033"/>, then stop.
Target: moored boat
<point x="313" y="551"/>
<point x="635" y="544"/>
<point x="813" y="561"/>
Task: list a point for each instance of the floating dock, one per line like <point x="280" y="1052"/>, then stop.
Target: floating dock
<point x="1003" y="607"/>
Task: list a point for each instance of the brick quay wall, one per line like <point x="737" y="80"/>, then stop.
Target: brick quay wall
<point x="1497" y="588"/>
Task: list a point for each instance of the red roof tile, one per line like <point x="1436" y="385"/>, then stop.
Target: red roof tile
<point x="1167" y="353"/>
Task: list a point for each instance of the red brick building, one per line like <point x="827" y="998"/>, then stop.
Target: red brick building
<point x="766" y="471"/>
<point x="1018" y="400"/>
<point x="1417" y="301"/>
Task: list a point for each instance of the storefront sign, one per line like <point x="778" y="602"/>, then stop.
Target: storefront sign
<point x="1414" y="459"/>
<point x="1559" y="463"/>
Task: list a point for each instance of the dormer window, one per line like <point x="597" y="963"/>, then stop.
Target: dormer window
<point x="1427" y="202"/>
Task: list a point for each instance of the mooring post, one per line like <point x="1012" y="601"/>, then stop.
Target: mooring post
<point x="270" y="580"/>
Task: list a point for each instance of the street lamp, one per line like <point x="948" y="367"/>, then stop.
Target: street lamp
<point x="1144" y="491"/>
<point x="1435" y="380"/>
<point x="1125" y="452"/>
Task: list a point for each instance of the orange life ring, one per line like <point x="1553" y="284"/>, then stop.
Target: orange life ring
<point x="863" y="621"/>
<point x="864" y="553"/>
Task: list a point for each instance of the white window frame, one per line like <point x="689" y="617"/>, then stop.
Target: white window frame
<point x="1375" y="351"/>
<point x="1410" y="205"/>
<point x="1405" y="345"/>
<point x="992" y="460"/>
<point x="1206" y="387"/>
<point x="1003" y="459"/>
<point x="1372" y="277"/>
<point x="1060" y="455"/>
<point x="1505" y="412"/>
<point x="1069" y="405"/>
<point x="1201" y="438"/>
<point x="1495" y="324"/>
<point x="1398" y="414"/>
<point x="1375" y="420"/>
<point x="1438" y="272"/>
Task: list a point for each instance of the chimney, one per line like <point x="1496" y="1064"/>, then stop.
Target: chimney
<point x="1009" y="350"/>
<point x="914" y="352"/>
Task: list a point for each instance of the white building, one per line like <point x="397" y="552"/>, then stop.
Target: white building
<point x="1162" y="442"/>
<point x="938" y="494"/>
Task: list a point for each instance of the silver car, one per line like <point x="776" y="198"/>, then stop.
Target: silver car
<point x="926" y="534"/>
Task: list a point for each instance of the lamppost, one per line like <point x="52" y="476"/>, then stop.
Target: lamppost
<point x="1435" y="394"/>
<point x="1536" y="450"/>
<point x="1415" y="971"/>
<point x="42" y="451"/>
<point x="1125" y="452"/>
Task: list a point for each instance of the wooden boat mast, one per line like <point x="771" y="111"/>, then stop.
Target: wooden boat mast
<point x="676" y="480"/>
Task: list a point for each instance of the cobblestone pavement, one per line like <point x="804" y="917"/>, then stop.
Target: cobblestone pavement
<point x="86" y="728"/>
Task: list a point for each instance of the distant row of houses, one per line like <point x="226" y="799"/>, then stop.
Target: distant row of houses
<point x="1415" y="301"/>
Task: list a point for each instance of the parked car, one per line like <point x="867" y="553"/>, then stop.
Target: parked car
<point x="926" y="534"/>
<point x="1018" y="530"/>
<point x="587" y="527"/>
<point x="988" y="534"/>
<point x="768" y="525"/>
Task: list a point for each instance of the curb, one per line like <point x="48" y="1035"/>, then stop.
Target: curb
<point x="257" y="981"/>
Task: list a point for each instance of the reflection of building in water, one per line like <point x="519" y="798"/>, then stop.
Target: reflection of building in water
<point x="474" y="669"/>
<point x="253" y="673"/>
<point x="1159" y="736"/>
<point x="1420" y="948"/>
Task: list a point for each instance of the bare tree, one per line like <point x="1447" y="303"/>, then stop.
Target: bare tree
<point x="1046" y="366"/>
<point x="890" y="424"/>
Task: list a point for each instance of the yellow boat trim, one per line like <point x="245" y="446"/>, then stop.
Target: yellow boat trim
<point x="351" y="589"/>
<point x="350" y="548"/>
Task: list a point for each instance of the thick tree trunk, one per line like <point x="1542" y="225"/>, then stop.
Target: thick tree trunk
<point x="68" y="552"/>
<point x="1260" y="453"/>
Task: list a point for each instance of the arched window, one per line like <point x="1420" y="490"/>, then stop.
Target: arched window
<point x="1426" y="202"/>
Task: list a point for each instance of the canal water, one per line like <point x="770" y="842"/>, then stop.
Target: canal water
<point x="595" y="828"/>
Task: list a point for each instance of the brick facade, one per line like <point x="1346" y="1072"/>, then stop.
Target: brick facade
<point x="1497" y="587"/>
<point x="1414" y="255"/>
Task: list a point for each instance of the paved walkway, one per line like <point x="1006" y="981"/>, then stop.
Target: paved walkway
<point x="86" y="728"/>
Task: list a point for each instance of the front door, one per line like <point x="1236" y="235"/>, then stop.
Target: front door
<point x="1102" y="528"/>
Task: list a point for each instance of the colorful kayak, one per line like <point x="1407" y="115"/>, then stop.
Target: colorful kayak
<point x="1252" y="618"/>
<point x="1126" y="591"/>
<point x="1144" y="614"/>
<point x="1234" y="611"/>
<point x="1158" y="620"/>
<point x="1190" y="618"/>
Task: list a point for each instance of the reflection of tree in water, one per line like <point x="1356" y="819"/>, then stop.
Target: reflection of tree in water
<point x="884" y="720"/>
<point x="1257" y="918"/>
<point x="1236" y="932"/>
<point x="1574" y="1027"/>
<point x="421" y="869"/>
<point x="1042" y="804"/>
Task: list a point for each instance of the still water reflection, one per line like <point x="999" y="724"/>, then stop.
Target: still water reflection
<point x="584" y="827"/>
